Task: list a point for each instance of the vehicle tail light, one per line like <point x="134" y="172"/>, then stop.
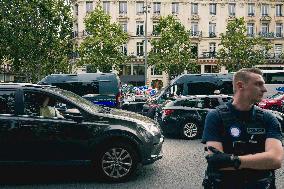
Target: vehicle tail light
<point x="167" y="112"/>
<point x="153" y="105"/>
<point x="118" y="99"/>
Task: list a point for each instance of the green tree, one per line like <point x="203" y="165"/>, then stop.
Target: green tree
<point x="101" y="48"/>
<point x="171" y="51"/>
<point x="36" y="36"/>
<point x="238" y="50"/>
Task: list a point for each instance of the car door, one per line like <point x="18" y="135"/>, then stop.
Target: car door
<point x="8" y="125"/>
<point x="53" y="138"/>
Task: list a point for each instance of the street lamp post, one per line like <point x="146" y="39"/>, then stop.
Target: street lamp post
<point x="146" y="40"/>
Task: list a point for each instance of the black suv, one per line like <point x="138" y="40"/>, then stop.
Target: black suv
<point x="185" y="116"/>
<point x="112" y="141"/>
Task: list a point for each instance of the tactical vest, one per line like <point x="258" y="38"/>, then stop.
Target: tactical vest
<point x="243" y="137"/>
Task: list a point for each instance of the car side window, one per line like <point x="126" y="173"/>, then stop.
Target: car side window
<point x="7" y="102"/>
<point x="47" y="106"/>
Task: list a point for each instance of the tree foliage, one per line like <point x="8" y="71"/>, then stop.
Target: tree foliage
<point x="238" y="50"/>
<point x="171" y="51"/>
<point x="101" y="48"/>
<point x="36" y="36"/>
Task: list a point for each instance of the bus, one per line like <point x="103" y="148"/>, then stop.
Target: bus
<point x="274" y="81"/>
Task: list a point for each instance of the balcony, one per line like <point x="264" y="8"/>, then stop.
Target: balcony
<point x="232" y="17"/>
<point x="195" y="33"/>
<point x="278" y="35"/>
<point x="275" y="58"/>
<point x="265" y="17"/>
<point x="156" y="16"/>
<point x="194" y="17"/>
<point x="250" y="35"/>
<point x="251" y="14"/>
<point x="267" y="34"/>
<point x="206" y="55"/>
<point x="122" y="16"/>
<point x="212" y="34"/>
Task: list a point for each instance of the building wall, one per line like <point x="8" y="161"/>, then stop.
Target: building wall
<point x="184" y="15"/>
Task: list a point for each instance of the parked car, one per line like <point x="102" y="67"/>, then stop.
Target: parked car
<point x="274" y="102"/>
<point x="185" y="116"/>
<point x="190" y="84"/>
<point x="112" y="141"/>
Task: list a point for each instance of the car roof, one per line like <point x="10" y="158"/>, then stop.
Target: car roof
<point x="202" y="96"/>
<point x="22" y="85"/>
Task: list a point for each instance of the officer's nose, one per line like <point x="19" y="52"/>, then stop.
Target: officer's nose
<point x="264" y="90"/>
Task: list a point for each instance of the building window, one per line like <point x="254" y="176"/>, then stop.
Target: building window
<point x="123" y="49"/>
<point x="89" y="6"/>
<point x="157" y="8"/>
<point x="140" y="49"/>
<point x="279" y="29"/>
<point x="139" y="7"/>
<point x="122" y="7"/>
<point x="251" y="9"/>
<point x="212" y="47"/>
<point x="194" y="29"/>
<point x="264" y="28"/>
<point x="194" y="8"/>
<point x="212" y="50"/>
<point x="139" y="28"/>
<point x="155" y="71"/>
<point x="212" y="8"/>
<point x="211" y="69"/>
<point x="212" y="29"/>
<point x="127" y="69"/>
<point x="250" y="29"/>
<point x="106" y="7"/>
<point x="155" y="33"/>
<point x="138" y="69"/>
<point x="124" y="27"/>
<point x="175" y="8"/>
<point x="278" y="50"/>
<point x="76" y="9"/>
<point x="232" y="9"/>
<point x="278" y="9"/>
<point x="264" y="10"/>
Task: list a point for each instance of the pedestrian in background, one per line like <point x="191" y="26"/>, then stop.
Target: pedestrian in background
<point x="244" y="142"/>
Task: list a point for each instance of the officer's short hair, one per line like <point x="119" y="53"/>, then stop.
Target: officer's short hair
<point x="244" y="75"/>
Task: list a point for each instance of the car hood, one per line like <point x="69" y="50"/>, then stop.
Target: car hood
<point x="131" y="115"/>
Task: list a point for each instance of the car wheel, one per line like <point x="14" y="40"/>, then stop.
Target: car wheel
<point x="117" y="162"/>
<point x="190" y="130"/>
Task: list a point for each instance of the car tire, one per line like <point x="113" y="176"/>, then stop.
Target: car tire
<point x="190" y="130"/>
<point x="116" y="162"/>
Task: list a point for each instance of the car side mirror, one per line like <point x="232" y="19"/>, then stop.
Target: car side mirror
<point x="73" y="114"/>
<point x="77" y="118"/>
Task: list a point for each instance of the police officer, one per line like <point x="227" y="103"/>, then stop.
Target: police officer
<point x="244" y="142"/>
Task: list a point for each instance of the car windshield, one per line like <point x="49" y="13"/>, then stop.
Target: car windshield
<point x="88" y="105"/>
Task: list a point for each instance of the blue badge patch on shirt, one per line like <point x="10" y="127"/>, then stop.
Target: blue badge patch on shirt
<point x="235" y="131"/>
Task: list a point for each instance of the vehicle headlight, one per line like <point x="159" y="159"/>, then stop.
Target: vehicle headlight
<point x="151" y="128"/>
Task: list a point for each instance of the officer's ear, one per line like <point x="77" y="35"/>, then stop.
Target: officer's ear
<point x="240" y="85"/>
